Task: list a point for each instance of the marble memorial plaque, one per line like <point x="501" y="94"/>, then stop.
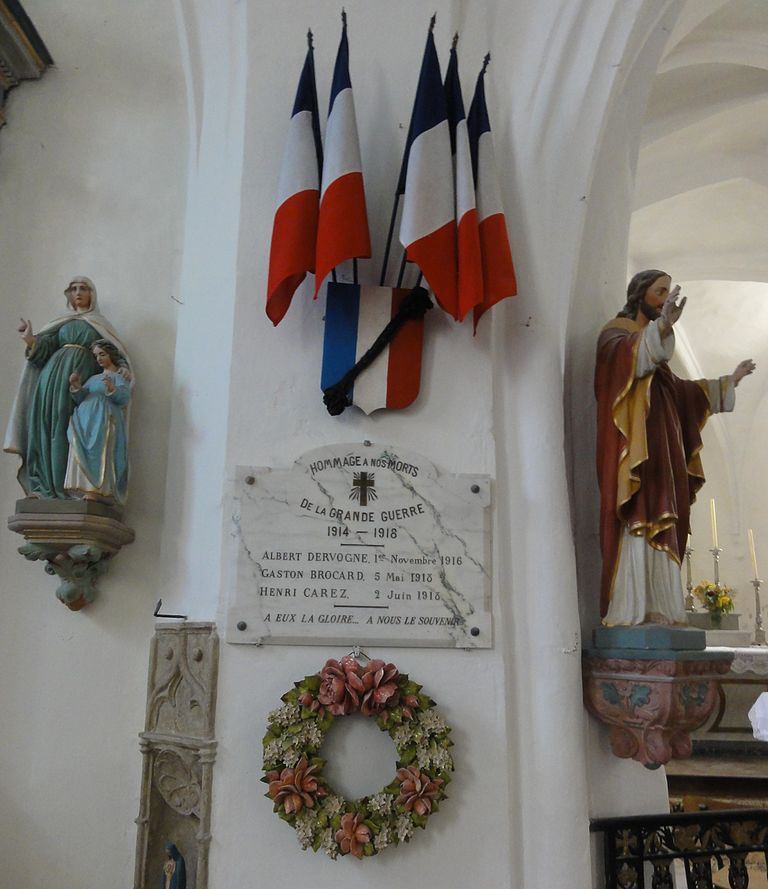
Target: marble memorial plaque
<point x="360" y="544"/>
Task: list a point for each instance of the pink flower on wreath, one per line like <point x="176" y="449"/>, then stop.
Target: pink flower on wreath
<point x="380" y="688"/>
<point x="341" y="686"/>
<point x="417" y="790"/>
<point x="295" y="788"/>
<point x="352" y="835"/>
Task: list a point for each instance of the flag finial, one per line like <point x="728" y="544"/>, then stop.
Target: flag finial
<point x="455" y="40"/>
<point x="343" y="17"/>
<point x="432" y="22"/>
<point x="486" y="62"/>
<point x="309" y="39"/>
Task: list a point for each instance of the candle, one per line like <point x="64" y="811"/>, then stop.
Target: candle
<point x="751" y="538"/>
<point x="713" y="520"/>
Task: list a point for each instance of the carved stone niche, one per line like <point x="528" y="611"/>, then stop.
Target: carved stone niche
<point x="178" y="749"/>
<point x="75" y="538"/>
<point x="23" y="55"/>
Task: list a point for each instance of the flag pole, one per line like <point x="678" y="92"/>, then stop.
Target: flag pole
<point x="396" y="204"/>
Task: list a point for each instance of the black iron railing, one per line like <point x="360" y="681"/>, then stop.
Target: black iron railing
<point x="640" y="851"/>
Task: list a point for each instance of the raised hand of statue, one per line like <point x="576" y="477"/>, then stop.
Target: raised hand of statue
<point x="25" y="329"/>
<point x="125" y="373"/>
<point x="743" y="369"/>
<point x="109" y="384"/>
<point x="672" y="310"/>
<point x="75" y="381"/>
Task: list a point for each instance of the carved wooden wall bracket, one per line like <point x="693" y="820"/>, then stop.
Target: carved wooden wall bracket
<point x="75" y="538"/>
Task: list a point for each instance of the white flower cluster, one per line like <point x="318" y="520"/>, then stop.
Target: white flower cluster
<point x="305" y="825"/>
<point x="382" y="839"/>
<point x="432" y="722"/>
<point x="381" y="803"/>
<point x="403" y="735"/>
<point x="289" y="748"/>
<point x="333" y="805"/>
<point x="285" y="715"/>
<point x="328" y="843"/>
<point x="437" y="757"/>
<point x="404" y="828"/>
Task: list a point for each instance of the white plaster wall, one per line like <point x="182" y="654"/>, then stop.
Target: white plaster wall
<point x="91" y="182"/>
<point x="493" y="404"/>
<point x="243" y="392"/>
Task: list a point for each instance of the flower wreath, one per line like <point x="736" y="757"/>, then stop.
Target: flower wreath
<point x="322" y="818"/>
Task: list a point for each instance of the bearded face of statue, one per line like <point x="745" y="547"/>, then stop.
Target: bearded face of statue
<point x="655" y="296"/>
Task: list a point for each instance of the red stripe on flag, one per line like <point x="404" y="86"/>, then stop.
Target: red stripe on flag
<point x="435" y="255"/>
<point x="292" y="252"/>
<point x="498" y="270"/>
<point x="470" y="264"/>
<point x="342" y="231"/>
<point x="404" y="365"/>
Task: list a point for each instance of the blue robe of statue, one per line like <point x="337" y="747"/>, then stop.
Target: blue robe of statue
<point x="98" y="444"/>
<point x="178" y="879"/>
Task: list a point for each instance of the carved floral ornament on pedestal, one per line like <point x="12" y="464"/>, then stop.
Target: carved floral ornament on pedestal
<point x="652" y="701"/>
<point x="69" y="428"/>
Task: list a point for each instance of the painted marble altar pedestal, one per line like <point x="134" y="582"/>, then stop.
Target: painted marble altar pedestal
<point x="652" y="686"/>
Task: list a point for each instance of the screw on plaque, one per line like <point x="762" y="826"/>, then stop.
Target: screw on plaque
<point x="475" y="489"/>
<point x="242" y="625"/>
<point x="156" y="612"/>
<point x="475" y="631"/>
<point x="250" y="480"/>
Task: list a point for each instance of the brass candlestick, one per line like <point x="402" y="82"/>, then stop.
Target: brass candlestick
<point x="759" y="631"/>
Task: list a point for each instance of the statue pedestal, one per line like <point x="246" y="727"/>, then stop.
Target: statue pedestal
<point x="652" y="696"/>
<point x="75" y="538"/>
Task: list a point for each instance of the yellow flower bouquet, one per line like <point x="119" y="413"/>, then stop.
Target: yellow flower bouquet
<point x="716" y="598"/>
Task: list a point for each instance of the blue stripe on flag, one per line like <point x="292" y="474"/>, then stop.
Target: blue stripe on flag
<point x="429" y="105"/>
<point x="478" y="121"/>
<point x="341" y="80"/>
<point x="342" y="309"/>
<point x="306" y="100"/>
<point x="453" y="98"/>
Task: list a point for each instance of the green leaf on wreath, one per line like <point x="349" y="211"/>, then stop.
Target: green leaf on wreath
<point x="316" y="843"/>
<point x="325" y="721"/>
<point x="408" y="756"/>
<point x="336" y="822"/>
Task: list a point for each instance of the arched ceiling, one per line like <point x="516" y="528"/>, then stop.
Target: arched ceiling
<point x="701" y="203"/>
<point x="701" y="213"/>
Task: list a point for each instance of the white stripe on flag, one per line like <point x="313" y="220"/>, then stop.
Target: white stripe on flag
<point x="428" y="202"/>
<point x="299" y="170"/>
<point x="465" y="186"/>
<point x="375" y="313"/>
<point x="488" y="191"/>
<point x="342" y="146"/>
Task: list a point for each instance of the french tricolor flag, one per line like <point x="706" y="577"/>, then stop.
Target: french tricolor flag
<point x="470" y="267"/>
<point x="498" y="272"/>
<point x="342" y="231"/>
<point x="428" y="223"/>
<point x="355" y="316"/>
<point x="294" y="231"/>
